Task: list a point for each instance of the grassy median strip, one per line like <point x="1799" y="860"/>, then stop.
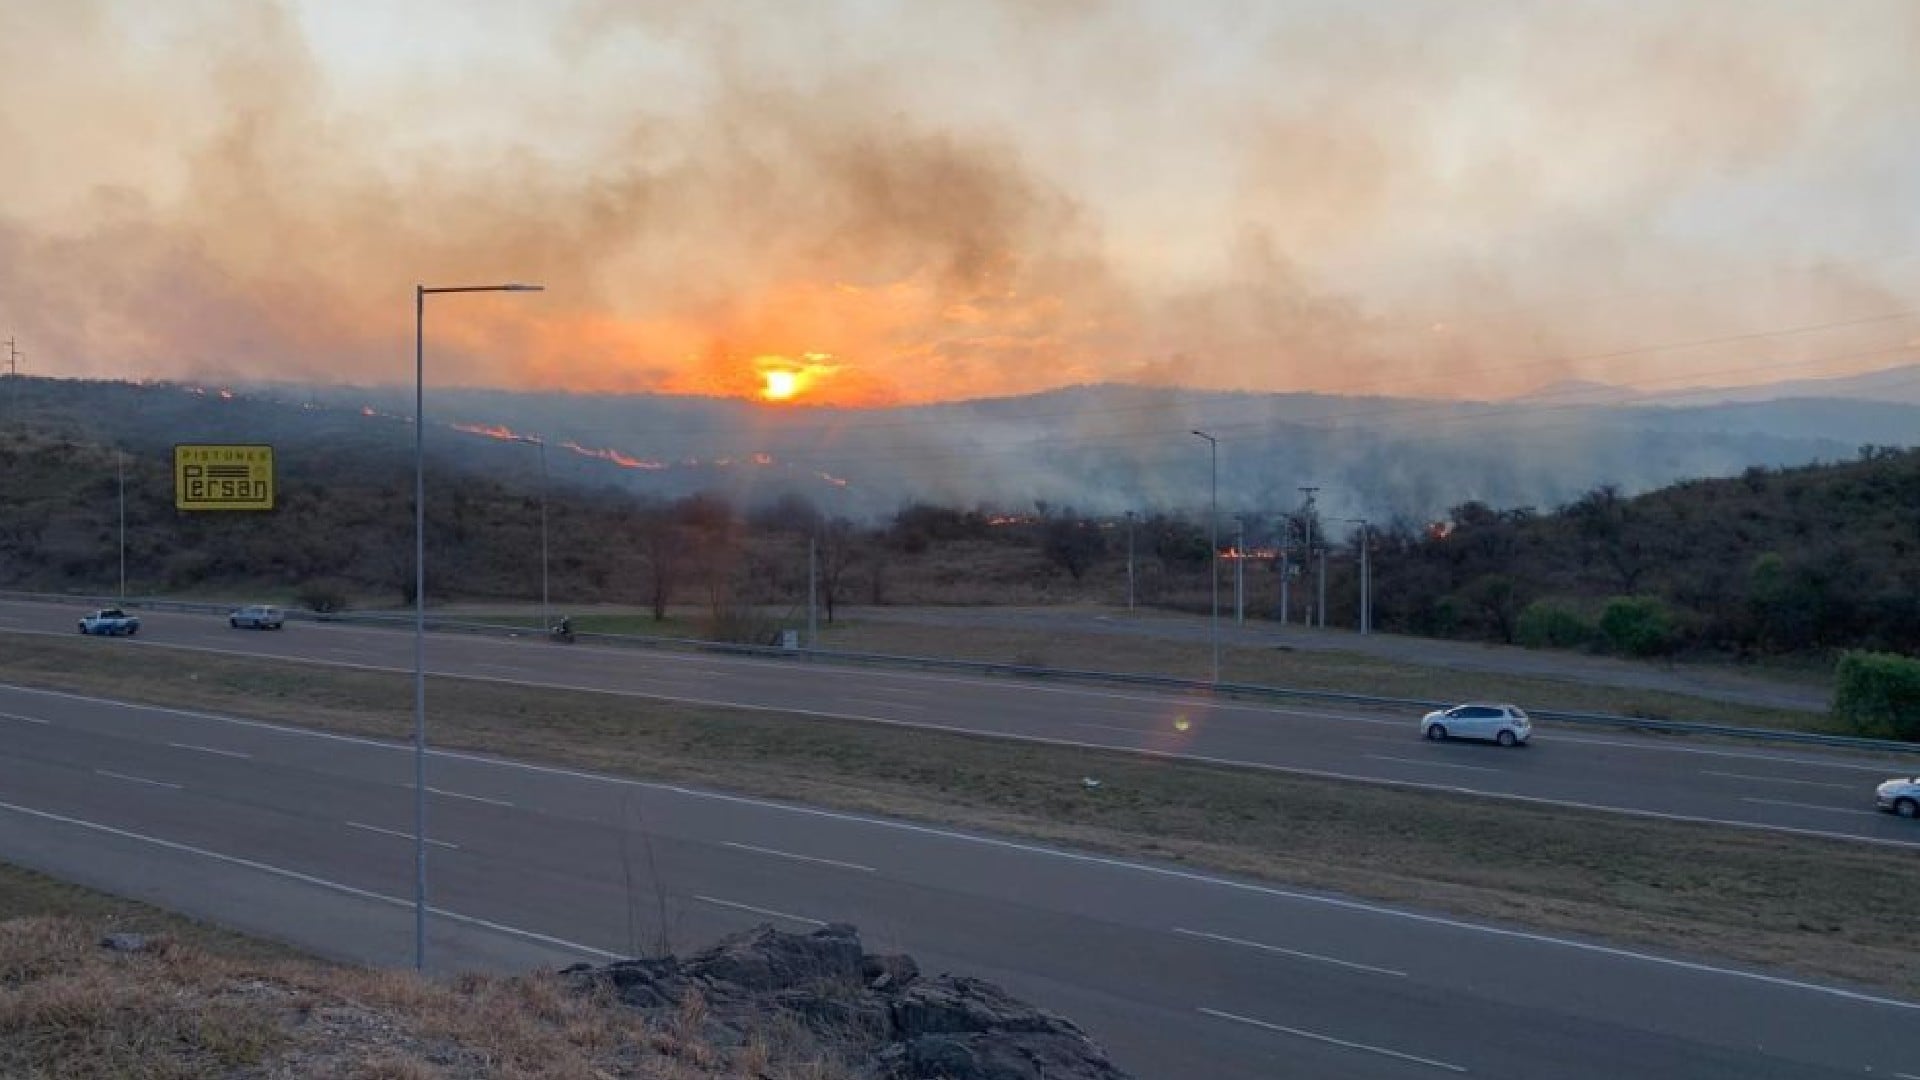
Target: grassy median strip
<point x="1310" y="669"/>
<point x="1827" y="909"/>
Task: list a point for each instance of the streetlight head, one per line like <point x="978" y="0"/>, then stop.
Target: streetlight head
<point x="1204" y="435"/>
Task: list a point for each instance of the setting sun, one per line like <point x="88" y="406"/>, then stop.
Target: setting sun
<point x="781" y="385"/>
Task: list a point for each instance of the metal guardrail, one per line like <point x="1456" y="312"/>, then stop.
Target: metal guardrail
<point x="988" y="667"/>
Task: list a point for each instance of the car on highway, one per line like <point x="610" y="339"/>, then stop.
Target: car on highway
<point x="1901" y="796"/>
<point x="110" y="621"/>
<point x="1507" y="725"/>
<point x="256" y="617"/>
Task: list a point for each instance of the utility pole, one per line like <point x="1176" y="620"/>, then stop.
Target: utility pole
<point x="813" y="588"/>
<point x="120" y="468"/>
<point x="1306" y="513"/>
<point x="1130" y="560"/>
<point x="1213" y="544"/>
<point x="1366" y="575"/>
<point x="13" y="378"/>
<point x="1286" y="574"/>
<point x="1240" y="570"/>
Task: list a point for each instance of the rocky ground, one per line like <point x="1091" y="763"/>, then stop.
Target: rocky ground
<point x="764" y="1005"/>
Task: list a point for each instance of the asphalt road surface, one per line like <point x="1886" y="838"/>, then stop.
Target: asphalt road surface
<point x="1800" y="790"/>
<point x="307" y="836"/>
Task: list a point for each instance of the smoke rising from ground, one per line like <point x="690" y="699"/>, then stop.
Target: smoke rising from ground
<point x="955" y="199"/>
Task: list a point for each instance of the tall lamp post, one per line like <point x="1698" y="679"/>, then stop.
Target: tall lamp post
<point x="120" y="470"/>
<point x="1366" y="575"/>
<point x="1130" y="589"/>
<point x="420" y="294"/>
<point x="1213" y="545"/>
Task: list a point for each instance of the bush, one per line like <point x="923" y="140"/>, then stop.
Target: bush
<point x="1638" y="626"/>
<point x="322" y="597"/>
<point x="1550" y="624"/>
<point x="1878" y="694"/>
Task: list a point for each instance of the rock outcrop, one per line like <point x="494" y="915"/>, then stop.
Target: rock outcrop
<point x="876" y="1015"/>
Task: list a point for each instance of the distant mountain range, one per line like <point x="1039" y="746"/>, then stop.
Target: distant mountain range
<point x="1102" y="449"/>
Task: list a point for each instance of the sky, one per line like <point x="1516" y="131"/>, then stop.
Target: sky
<point x="865" y="203"/>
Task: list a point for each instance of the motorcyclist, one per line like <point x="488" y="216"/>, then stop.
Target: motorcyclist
<point x="563" y="630"/>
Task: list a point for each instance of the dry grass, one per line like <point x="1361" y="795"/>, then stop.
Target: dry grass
<point x="200" y="1004"/>
<point x="1825" y="909"/>
<point x="1340" y="672"/>
<point x="1062" y="646"/>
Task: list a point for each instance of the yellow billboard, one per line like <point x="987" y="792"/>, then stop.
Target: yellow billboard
<point x="222" y="477"/>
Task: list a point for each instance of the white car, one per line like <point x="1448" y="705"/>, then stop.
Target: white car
<point x="1504" y="724"/>
<point x="257" y="617"/>
<point x="1899" y="796"/>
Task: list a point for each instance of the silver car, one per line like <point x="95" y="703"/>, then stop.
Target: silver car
<point x="1899" y="796"/>
<point x="256" y="617"/>
<point x="1504" y="724"/>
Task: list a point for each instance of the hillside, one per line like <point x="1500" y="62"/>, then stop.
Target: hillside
<point x="1105" y="449"/>
<point x="1792" y="560"/>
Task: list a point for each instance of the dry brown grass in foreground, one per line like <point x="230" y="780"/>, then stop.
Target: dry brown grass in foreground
<point x="179" y="1010"/>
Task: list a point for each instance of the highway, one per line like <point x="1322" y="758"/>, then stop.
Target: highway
<point x="306" y="836"/>
<point x="1802" y="790"/>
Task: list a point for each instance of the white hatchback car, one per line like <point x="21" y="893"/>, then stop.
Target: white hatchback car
<point x="1899" y="796"/>
<point x="256" y="617"/>
<point x="1504" y="724"/>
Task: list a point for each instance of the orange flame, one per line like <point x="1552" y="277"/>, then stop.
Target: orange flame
<point x="615" y="456"/>
<point x="494" y="431"/>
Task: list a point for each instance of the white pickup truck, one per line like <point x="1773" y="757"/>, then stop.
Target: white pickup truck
<point x="110" y="621"/>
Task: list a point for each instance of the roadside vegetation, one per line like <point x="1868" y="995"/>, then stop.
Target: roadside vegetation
<point x="1828" y="909"/>
<point x="1796" y="564"/>
<point x="178" y="1000"/>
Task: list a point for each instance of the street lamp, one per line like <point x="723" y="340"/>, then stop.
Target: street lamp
<point x="120" y="470"/>
<point x="420" y="294"/>
<point x="1366" y="575"/>
<point x="1213" y="544"/>
<point x="1130" y="589"/>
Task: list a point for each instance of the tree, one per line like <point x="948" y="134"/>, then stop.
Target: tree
<point x="838" y="548"/>
<point x="660" y="539"/>
<point x="1638" y="625"/>
<point x="1074" y="543"/>
<point x="1497" y="597"/>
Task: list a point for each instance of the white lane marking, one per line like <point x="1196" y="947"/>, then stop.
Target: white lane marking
<point x="1905" y="1076"/>
<point x="800" y="858"/>
<point x="908" y="705"/>
<point x="1434" y="764"/>
<point x="1291" y="770"/>
<point x="1808" y="806"/>
<point x="137" y="779"/>
<point x="309" y="879"/>
<point x="1330" y="1040"/>
<point x="1744" y="755"/>
<point x="1290" y="952"/>
<point x="1779" y="780"/>
<point x="769" y="912"/>
<point x="209" y="750"/>
<point x="23" y="719"/>
<point x="470" y="798"/>
<point x="401" y="835"/>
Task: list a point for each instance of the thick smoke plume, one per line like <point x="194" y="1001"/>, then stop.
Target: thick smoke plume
<point x="936" y="200"/>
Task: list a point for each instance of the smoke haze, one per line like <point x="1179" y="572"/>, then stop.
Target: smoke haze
<point x="918" y="202"/>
